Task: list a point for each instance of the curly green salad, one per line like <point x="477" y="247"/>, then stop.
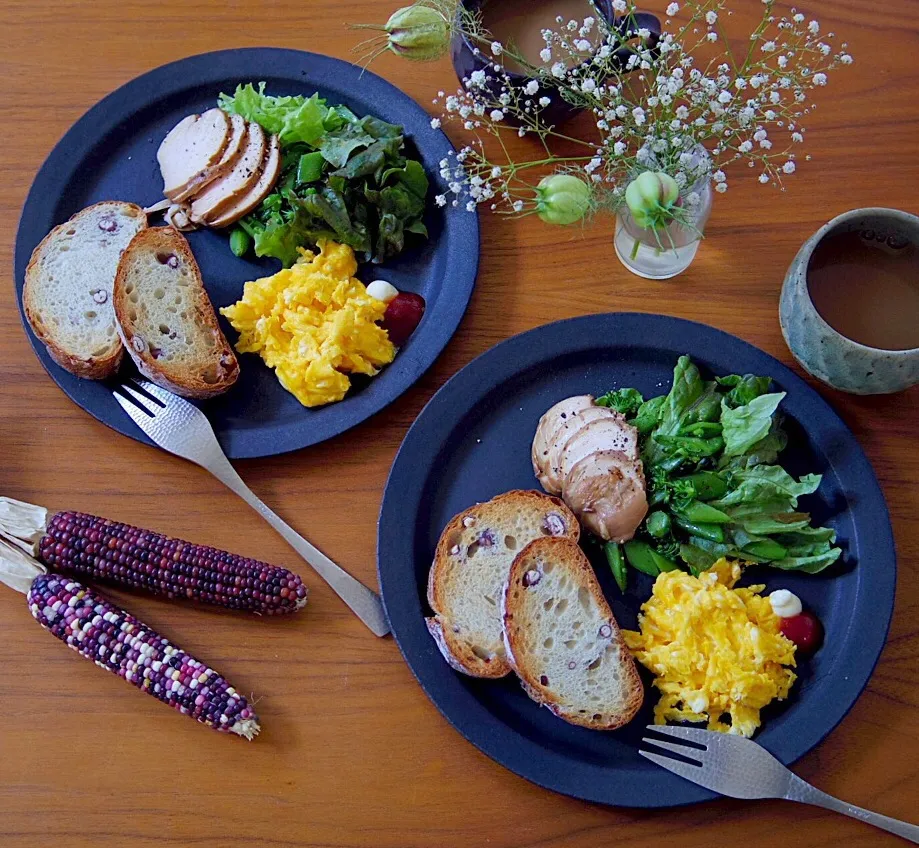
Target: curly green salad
<point x="343" y="178"/>
<point x="710" y="450"/>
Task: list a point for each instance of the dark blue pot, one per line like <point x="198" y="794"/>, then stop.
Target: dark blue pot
<point x="465" y="60"/>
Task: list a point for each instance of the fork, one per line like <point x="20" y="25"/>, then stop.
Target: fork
<point x="181" y="428"/>
<point x="741" y="768"/>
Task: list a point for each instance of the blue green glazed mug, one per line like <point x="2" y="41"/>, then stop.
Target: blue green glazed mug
<point x="826" y="353"/>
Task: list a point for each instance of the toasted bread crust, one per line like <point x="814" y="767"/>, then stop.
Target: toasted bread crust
<point x="189" y="384"/>
<point x="568" y="554"/>
<point x="90" y="368"/>
<point x="458" y="652"/>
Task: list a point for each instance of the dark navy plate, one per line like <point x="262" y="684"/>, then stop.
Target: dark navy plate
<point x="110" y="154"/>
<point x="472" y="441"/>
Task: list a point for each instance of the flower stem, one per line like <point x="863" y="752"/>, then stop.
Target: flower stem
<point x="635" y="248"/>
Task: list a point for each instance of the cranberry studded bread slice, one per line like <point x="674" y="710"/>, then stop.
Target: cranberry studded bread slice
<point x="471" y="567"/>
<point x="562" y="640"/>
<point x="67" y="297"/>
<point x="166" y="321"/>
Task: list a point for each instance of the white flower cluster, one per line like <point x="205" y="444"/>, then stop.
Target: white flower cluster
<point x="696" y="117"/>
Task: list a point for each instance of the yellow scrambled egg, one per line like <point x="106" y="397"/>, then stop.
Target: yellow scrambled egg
<point x="314" y="323"/>
<point x="715" y="651"/>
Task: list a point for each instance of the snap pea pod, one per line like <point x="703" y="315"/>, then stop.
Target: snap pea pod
<point x="240" y="241"/>
<point x="707" y="485"/>
<point x="702" y="429"/>
<point x="658" y="524"/>
<point x="703" y="513"/>
<point x="713" y="532"/>
<point x="766" y="549"/>
<point x="639" y="556"/>
<point x="616" y="562"/>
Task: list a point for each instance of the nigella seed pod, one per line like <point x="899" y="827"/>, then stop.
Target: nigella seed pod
<point x="420" y="32"/>
<point x="650" y="196"/>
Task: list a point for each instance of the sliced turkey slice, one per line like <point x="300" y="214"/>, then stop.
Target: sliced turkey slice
<point x="611" y="433"/>
<point x="271" y="169"/>
<point x="552" y="479"/>
<point x="606" y="490"/>
<point x="193" y="145"/>
<point x="222" y="194"/>
<point x="549" y="425"/>
<point x="234" y="145"/>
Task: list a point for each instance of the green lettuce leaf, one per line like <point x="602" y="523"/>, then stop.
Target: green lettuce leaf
<point x="746" y="425"/>
<point x="767" y="483"/>
<point x="293" y="118"/>
<point x="744" y="389"/>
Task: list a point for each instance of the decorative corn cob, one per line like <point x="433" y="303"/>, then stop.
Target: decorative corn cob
<point x="115" y="640"/>
<point x="141" y="559"/>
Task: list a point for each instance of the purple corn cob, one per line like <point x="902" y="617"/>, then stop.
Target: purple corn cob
<point x="141" y="559"/>
<point x="115" y="640"/>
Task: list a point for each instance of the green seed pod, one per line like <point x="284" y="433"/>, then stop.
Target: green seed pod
<point x="649" y="195"/>
<point x="418" y="32"/>
<point x="562" y="199"/>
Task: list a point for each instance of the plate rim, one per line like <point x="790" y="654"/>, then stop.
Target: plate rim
<point x="104" y="116"/>
<point x="588" y="326"/>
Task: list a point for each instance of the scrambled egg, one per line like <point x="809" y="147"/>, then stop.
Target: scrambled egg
<point x="314" y="323"/>
<point x="715" y="650"/>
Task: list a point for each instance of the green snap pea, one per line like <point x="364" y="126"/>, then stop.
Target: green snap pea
<point x="309" y="168"/>
<point x="640" y="557"/>
<point x="712" y="532"/>
<point x="707" y="485"/>
<point x="663" y="563"/>
<point x="703" y="513"/>
<point x="767" y="549"/>
<point x="658" y="524"/>
<point x="616" y="562"/>
<point x="240" y="241"/>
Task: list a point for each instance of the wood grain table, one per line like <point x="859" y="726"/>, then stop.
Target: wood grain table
<point x="352" y="752"/>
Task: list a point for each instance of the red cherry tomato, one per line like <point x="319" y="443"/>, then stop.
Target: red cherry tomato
<point x="402" y="316"/>
<point x="805" y="630"/>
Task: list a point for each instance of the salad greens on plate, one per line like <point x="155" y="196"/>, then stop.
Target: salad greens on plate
<point x="343" y="178"/>
<point x="710" y="450"/>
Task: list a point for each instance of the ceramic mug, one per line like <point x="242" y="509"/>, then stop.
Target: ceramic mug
<point x="469" y="56"/>
<point x="826" y="353"/>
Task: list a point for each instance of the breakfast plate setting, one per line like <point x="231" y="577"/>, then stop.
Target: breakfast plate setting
<point x="630" y="557"/>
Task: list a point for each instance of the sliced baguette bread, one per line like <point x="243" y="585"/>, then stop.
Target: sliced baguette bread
<point x="471" y="566"/>
<point x="67" y="297"/>
<point x="165" y="319"/>
<point x="562" y="640"/>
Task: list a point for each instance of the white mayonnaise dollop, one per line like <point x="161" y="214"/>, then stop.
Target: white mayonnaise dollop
<point x="785" y="604"/>
<point x="381" y="290"/>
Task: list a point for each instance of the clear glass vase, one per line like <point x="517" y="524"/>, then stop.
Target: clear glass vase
<point x="661" y="254"/>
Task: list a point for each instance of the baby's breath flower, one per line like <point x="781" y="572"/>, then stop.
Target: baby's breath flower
<point x="589" y="85"/>
<point x="544" y="101"/>
<point x="672" y="9"/>
<point x="819" y="79"/>
<point x="710" y="17"/>
<point x="724" y="97"/>
<point x="721" y="188"/>
<point x="764" y="178"/>
<point x="813" y="27"/>
<point x="518" y="206"/>
<point x="619" y="148"/>
<point x="619" y="6"/>
<point x="745" y="146"/>
<point x="767" y="46"/>
<point x="440" y="200"/>
<point x="712" y="36"/>
<point x="682" y="112"/>
<point x="545" y="54"/>
<point x="846" y="59"/>
<point x="496" y="172"/>
<point x="789" y="167"/>
<point x="496" y="48"/>
<point x="496" y="115"/>
<point x="796" y="136"/>
<point x="583" y="45"/>
<point x="435" y="123"/>
<point x="531" y="87"/>
<point x="559" y="69"/>
<point x="639" y="115"/>
<point x="719" y="176"/>
<point x="798" y="18"/>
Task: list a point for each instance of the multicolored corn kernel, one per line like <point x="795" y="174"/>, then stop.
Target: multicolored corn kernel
<point x="115" y="640"/>
<point x="141" y="559"/>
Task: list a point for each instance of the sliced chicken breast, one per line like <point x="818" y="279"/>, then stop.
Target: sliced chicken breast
<point x="193" y="145"/>
<point x="224" y="193"/>
<point x="610" y="433"/>
<point x="549" y="425"/>
<point x="606" y="490"/>
<point x="573" y="425"/>
<point x="221" y="167"/>
<point x="271" y="169"/>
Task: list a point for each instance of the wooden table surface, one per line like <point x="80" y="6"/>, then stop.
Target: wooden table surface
<point x="352" y="752"/>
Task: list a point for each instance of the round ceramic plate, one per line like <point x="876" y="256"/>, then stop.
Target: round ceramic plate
<point x="110" y="154"/>
<point x="472" y="441"/>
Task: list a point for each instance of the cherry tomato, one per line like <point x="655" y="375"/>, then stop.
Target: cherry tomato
<point x="402" y="316"/>
<point x="805" y="630"/>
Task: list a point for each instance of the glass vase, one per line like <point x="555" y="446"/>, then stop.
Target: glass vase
<point x="664" y="253"/>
